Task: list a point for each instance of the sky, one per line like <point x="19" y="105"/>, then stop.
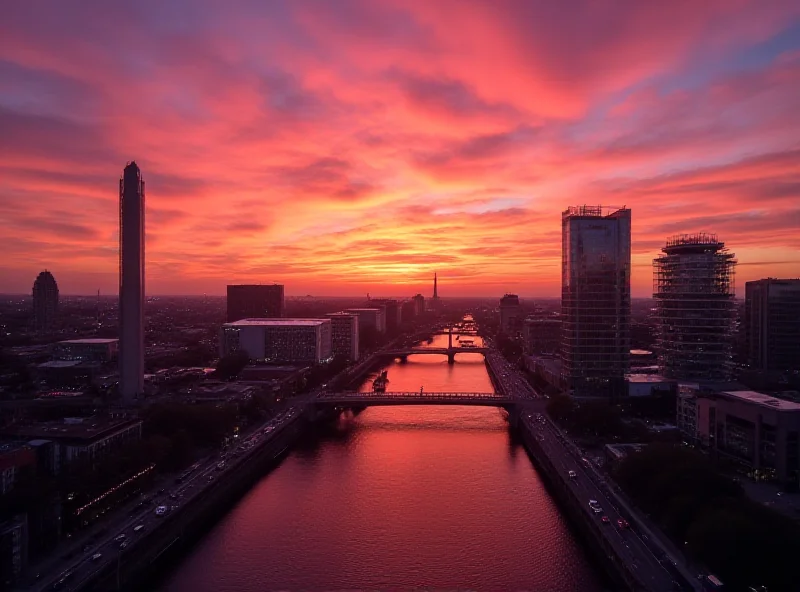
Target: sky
<point x="350" y="146"/>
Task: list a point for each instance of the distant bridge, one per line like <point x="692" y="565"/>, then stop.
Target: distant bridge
<point x="450" y="352"/>
<point x="352" y="398"/>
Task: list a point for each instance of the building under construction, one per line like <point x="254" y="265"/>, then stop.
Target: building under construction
<point x="693" y="284"/>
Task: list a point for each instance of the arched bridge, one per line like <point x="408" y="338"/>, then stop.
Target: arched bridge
<point x="353" y="398"/>
<point x="450" y="352"/>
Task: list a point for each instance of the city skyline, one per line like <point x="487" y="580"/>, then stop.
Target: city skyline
<point x="375" y="145"/>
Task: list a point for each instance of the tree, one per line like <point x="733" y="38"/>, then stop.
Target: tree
<point x="231" y="365"/>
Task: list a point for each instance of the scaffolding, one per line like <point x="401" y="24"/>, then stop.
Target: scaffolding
<point x="694" y="288"/>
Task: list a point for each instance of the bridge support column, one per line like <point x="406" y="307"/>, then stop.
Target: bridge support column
<point x="451" y="357"/>
<point x="403" y="359"/>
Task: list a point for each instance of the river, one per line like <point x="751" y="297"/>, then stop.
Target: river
<point x="396" y="498"/>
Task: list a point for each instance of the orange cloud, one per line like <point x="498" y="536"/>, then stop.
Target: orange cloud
<point x="363" y="145"/>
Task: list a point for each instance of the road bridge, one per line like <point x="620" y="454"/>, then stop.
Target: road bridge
<point x="450" y="352"/>
<point x="371" y="399"/>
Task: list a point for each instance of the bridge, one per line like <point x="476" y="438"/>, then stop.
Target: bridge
<point x="450" y="352"/>
<point x="356" y="399"/>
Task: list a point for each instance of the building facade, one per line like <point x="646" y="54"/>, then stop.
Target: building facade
<point x="344" y="335"/>
<point x="419" y="304"/>
<point x="755" y="430"/>
<point x="131" y="283"/>
<point x="86" y="350"/>
<point x="255" y="302"/>
<point x="772" y="324"/>
<point x="89" y="438"/>
<point x="541" y="336"/>
<point x="391" y="310"/>
<point x="693" y="286"/>
<point x="595" y="300"/>
<point x="510" y="315"/>
<point x="295" y="341"/>
<point x="370" y="317"/>
<point x="45" y="301"/>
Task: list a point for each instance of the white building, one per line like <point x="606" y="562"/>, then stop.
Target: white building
<point x="371" y="317"/>
<point x="279" y="340"/>
<point x="344" y="334"/>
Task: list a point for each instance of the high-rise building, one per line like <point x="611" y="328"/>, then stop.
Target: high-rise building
<point x="45" y="301"/>
<point x="278" y="340"/>
<point x="255" y="302"/>
<point x="131" y="283"/>
<point x="370" y="317"/>
<point x="408" y="311"/>
<point x="772" y="324"/>
<point x="595" y="300"/>
<point x="693" y="285"/>
<point x="510" y="315"/>
<point x="344" y="335"/>
<point x="541" y="336"/>
<point x="392" y="313"/>
<point x="419" y="304"/>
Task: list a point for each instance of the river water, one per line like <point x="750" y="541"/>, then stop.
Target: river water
<point x="397" y="498"/>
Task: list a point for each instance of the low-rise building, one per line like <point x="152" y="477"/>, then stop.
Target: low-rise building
<point x="344" y="335"/>
<point x="77" y="438"/>
<point x="86" y="350"/>
<point x="68" y="373"/>
<point x="279" y="340"/>
<point x="760" y="432"/>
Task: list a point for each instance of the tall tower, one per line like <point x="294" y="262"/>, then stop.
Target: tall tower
<point x="693" y="286"/>
<point x="45" y="301"/>
<point x="595" y="300"/>
<point x="435" y="287"/>
<point x="772" y="324"/>
<point x="131" y="283"/>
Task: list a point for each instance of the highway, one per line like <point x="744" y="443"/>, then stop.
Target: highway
<point x="650" y="563"/>
<point x="73" y="572"/>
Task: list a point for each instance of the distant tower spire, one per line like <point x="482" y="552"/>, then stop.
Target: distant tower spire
<point x="435" y="287"/>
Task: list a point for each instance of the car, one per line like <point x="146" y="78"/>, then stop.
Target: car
<point x="123" y="544"/>
<point x="138" y="527"/>
<point x="173" y="496"/>
<point x="573" y="475"/>
<point x="211" y="477"/>
<point x="622" y="523"/>
<point x="605" y="519"/>
<point x="161" y="510"/>
<point x="161" y="491"/>
<point x="120" y="537"/>
<point x="96" y="556"/>
<point x="597" y="509"/>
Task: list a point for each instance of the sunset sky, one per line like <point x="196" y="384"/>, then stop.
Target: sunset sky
<point x="350" y="146"/>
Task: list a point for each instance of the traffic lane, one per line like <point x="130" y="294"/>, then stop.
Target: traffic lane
<point x="582" y="486"/>
<point x="628" y="545"/>
<point x="109" y="548"/>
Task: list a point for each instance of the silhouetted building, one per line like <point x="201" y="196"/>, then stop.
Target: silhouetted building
<point x="435" y="298"/>
<point x="408" y="311"/>
<point x="92" y="349"/>
<point x="772" y="324"/>
<point x="255" y="302"/>
<point x="595" y="300"/>
<point x="693" y="286"/>
<point x="344" y="335"/>
<point x="297" y="341"/>
<point x="13" y="549"/>
<point x="391" y="312"/>
<point x="45" y="301"/>
<point x="131" y="283"/>
<point x="510" y="315"/>
<point x="419" y="304"/>
<point x="541" y="336"/>
<point x="370" y="317"/>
